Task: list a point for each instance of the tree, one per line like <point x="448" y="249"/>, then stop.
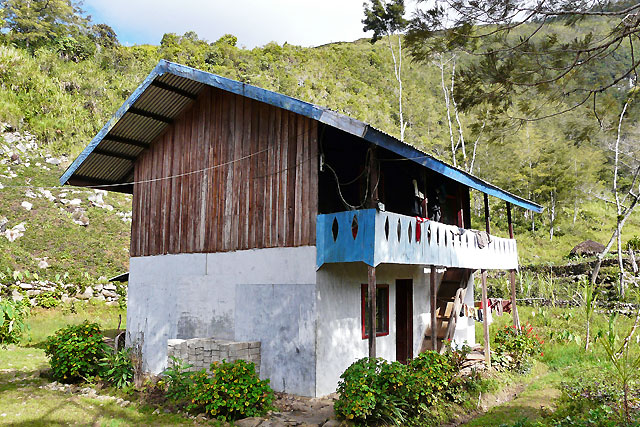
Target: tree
<point x="518" y="46"/>
<point x="624" y="205"/>
<point x="35" y="23"/>
<point x="387" y="19"/>
<point x="104" y="36"/>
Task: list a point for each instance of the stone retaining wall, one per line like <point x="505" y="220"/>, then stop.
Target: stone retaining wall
<point x="202" y="352"/>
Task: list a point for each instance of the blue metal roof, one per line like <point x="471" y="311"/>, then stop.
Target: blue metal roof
<point x="170" y="87"/>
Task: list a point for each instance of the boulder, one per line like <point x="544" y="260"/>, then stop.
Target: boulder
<point x="587" y="248"/>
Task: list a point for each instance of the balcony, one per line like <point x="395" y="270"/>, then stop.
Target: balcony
<point x="374" y="238"/>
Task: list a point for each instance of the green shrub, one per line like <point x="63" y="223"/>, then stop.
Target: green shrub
<point x="117" y="368"/>
<point x="178" y="381"/>
<point x="75" y="352"/>
<point x="372" y="391"/>
<point x="515" y="348"/>
<point x="233" y="391"/>
<point x="48" y="300"/>
<point x="431" y="374"/>
<point x="13" y="315"/>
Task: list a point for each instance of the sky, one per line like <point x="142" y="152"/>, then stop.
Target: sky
<point x="253" y="22"/>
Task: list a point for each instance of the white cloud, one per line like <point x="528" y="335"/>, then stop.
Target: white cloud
<point x="254" y="22"/>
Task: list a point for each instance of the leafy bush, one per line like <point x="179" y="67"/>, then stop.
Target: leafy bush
<point x="515" y="348"/>
<point x="430" y="375"/>
<point x="233" y="391"/>
<point x="376" y="391"/>
<point x="48" y="299"/>
<point x="373" y="390"/>
<point x="178" y="380"/>
<point x="117" y="368"/>
<point x="13" y="315"/>
<point x="75" y="352"/>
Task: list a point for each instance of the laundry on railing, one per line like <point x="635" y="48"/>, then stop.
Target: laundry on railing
<point x="482" y="238"/>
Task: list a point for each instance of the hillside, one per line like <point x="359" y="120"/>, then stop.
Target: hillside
<point x="62" y="102"/>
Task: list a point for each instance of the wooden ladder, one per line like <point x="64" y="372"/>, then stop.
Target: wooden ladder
<point x="449" y="301"/>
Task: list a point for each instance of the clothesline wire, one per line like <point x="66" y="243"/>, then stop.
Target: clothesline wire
<point x="151" y="180"/>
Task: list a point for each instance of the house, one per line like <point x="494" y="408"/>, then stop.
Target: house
<point x="259" y="217"/>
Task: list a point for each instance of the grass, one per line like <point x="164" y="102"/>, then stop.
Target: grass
<point x="564" y="362"/>
<point x="24" y="401"/>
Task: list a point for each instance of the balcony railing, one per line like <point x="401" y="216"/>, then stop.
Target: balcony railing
<point x="374" y="237"/>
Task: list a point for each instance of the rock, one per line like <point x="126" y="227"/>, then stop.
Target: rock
<point x="110" y="287"/>
<point x="27" y="205"/>
<point x="33" y="292"/>
<point x="16" y="296"/>
<point x="109" y="294"/>
<point x="26" y="286"/>
<point x="334" y="423"/>
<point x="53" y="161"/>
<point x="3" y="223"/>
<point x="30" y="194"/>
<point x="15" y="159"/>
<point x="98" y="287"/>
<point x="43" y="264"/>
<point x="80" y="218"/>
<point x="75" y="202"/>
<point x="100" y="298"/>
<point x="249" y="422"/>
<point x="66" y="299"/>
<point x="587" y="248"/>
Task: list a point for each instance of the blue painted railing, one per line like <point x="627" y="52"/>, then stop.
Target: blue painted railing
<point x="374" y="238"/>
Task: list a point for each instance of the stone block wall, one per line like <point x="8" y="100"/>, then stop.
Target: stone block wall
<point x="202" y="352"/>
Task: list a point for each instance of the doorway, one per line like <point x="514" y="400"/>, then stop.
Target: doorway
<point x="404" y="320"/>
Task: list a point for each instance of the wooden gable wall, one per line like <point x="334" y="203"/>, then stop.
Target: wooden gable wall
<point x="266" y="199"/>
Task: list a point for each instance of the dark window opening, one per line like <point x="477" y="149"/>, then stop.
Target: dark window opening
<point x="344" y="182"/>
<point x="382" y="310"/>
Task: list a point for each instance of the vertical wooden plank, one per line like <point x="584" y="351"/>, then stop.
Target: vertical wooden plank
<point x="260" y="179"/>
<point x="253" y="196"/>
<point x="216" y="228"/>
<point x="282" y="197"/>
<point x="227" y="174"/>
<point x="291" y="179"/>
<point x="371" y="302"/>
<point x="313" y="182"/>
<point x="174" y="238"/>
<point x="236" y="167"/>
<point x="485" y="320"/>
<point x="167" y="148"/>
<point x="269" y="181"/>
<point x="203" y="149"/>
<point x="277" y="172"/>
<point x="434" y="303"/>
<point x="299" y="194"/>
<point x="304" y="169"/>
<point x="188" y="208"/>
<point x="244" y="175"/>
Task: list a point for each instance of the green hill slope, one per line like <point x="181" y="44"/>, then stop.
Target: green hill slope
<point x="63" y="103"/>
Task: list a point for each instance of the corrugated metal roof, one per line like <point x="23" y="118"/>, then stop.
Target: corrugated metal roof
<point x="170" y="87"/>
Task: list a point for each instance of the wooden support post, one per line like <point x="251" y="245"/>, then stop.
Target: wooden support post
<point x="434" y="326"/>
<point x="486" y="213"/>
<point x="485" y="320"/>
<point x="512" y="277"/>
<point x="371" y="303"/>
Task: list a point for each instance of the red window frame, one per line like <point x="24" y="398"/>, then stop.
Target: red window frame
<point x="364" y="292"/>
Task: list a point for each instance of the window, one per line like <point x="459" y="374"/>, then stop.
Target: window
<point x="382" y="310"/>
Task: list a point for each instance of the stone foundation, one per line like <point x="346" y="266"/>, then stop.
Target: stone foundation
<point x="202" y="352"/>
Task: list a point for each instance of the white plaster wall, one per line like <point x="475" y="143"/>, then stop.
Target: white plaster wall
<point x="339" y="328"/>
<point x="226" y="295"/>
